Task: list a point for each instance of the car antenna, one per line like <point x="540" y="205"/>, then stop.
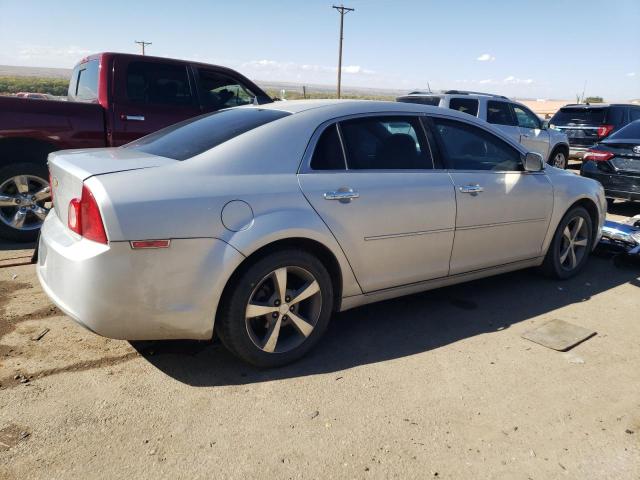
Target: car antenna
<point x="429" y="87"/>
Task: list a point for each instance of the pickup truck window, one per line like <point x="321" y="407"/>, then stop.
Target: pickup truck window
<point x="158" y="84"/>
<point x="196" y="135"/>
<point x="218" y="90"/>
<point x="84" y="82"/>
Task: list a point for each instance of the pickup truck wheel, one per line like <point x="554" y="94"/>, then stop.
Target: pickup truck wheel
<point x="25" y="200"/>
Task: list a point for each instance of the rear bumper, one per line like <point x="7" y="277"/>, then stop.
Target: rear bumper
<point x="616" y="185"/>
<point x="576" y="153"/>
<point x="128" y="294"/>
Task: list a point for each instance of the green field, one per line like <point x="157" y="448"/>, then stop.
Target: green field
<point x="52" y="86"/>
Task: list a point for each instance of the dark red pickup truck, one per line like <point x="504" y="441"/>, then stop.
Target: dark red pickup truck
<point x="113" y="99"/>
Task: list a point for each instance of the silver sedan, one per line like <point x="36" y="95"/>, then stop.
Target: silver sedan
<point x="265" y="220"/>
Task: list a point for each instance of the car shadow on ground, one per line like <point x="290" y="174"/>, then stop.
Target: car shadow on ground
<point x="626" y="209"/>
<point x="6" y="245"/>
<point x="400" y="327"/>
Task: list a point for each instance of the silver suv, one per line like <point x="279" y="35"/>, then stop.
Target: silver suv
<point x="513" y="118"/>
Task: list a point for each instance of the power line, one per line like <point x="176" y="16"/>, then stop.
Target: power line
<point x="343" y="11"/>
<point x="143" y="44"/>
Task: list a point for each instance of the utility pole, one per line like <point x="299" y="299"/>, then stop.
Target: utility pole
<point x="143" y="44"/>
<point x="343" y="11"/>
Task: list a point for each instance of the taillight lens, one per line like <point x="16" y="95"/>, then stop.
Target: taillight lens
<point x="84" y="217"/>
<point x="604" y="130"/>
<point x="597" y="155"/>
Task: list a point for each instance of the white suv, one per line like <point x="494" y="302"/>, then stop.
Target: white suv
<point x="513" y="118"/>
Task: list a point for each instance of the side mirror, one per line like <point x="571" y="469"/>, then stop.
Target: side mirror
<point x="533" y="162"/>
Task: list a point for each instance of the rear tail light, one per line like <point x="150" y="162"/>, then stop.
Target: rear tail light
<point x="84" y="217"/>
<point x="597" y="155"/>
<point x="604" y="130"/>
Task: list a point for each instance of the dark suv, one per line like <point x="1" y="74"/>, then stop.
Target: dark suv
<point x="587" y="124"/>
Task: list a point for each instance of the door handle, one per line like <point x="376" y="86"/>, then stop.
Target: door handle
<point x="471" y="189"/>
<point x="132" y="118"/>
<point x="342" y="195"/>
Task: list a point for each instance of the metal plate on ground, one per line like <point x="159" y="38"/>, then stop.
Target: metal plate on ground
<point x="558" y="335"/>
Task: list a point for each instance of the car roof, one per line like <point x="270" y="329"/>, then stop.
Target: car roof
<point x="337" y="108"/>
<point x="596" y="105"/>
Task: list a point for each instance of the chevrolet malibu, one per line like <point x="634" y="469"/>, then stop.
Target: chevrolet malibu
<point x="264" y="220"/>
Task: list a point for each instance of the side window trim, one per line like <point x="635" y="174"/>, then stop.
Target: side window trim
<point x="344" y="150"/>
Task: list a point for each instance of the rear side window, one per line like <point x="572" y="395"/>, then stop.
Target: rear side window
<point x="616" y="116"/>
<point x="385" y="143"/>
<point x="470" y="148"/>
<point x="579" y="116"/>
<point x="158" y="84"/>
<point x="500" y="113"/>
<point x="634" y="113"/>
<point x="434" y="101"/>
<point x="328" y="154"/>
<point x="464" y="105"/>
<point x="196" y="135"/>
<point x="84" y="82"/>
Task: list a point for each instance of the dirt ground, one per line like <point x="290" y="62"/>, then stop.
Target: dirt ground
<point x="435" y="385"/>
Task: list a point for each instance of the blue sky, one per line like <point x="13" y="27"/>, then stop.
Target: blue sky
<point x="534" y="49"/>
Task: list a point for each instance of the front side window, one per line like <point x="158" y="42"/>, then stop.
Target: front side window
<point x="471" y="148"/>
<point x="158" y="84"/>
<point x="328" y="154"/>
<point x="526" y="118"/>
<point x="500" y="113"/>
<point x="464" y="105"/>
<point x="218" y="90"/>
<point x="385" y="143"/>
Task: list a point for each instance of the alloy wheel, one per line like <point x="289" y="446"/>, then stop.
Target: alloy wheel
<point x="283" y="309"/>
<point x="25" y="201"/>
<point x="573" y="246"/>
<point x="560" y="160"/>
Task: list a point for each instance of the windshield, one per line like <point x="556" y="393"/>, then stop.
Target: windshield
<point x="629" y="132"/>
<point x="196" y="135"/>
<point x="579" y="116"/>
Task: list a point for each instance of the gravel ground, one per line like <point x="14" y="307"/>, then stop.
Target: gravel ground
<point x="435" y="385"/>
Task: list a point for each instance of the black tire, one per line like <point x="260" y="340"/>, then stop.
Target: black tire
<point x="231" y="323"/>
<point x="552" y="265"/>
<point x="552" y="158"/>
<point x="27" y="168"/>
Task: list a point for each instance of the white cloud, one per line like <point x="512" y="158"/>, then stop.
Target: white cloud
<point x="511" y="80"/>
<point x="274" y="67"/>
<point x="486" y="81"/>
<point x="486" y="57"/>
<point x="631" y="74"/>
<point x="46" y="54"/>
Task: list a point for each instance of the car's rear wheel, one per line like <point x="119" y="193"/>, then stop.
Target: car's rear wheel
<point x="277" y="309"/>
<point x="25" y="200"/>
<point x="558" y="159"/>
<point x="571" y="245"/>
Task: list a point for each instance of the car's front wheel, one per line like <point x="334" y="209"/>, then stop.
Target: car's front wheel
<point x="277" y="309"/>
<point x="571" y="244"/>
<point x="559" y="159"/>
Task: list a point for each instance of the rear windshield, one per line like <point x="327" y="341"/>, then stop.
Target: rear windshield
<point x="579" y="116"/>
<point x="83" y="86"/>
<point x="196" y="135"/>
<point x="629" y="132"/>
<point x="431" y="100"/>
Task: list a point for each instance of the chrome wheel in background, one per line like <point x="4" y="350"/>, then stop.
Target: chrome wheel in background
<point x="573" y="247"/>
<point x="25" y="201"/>
<point x="560" y="160"/>
<point x="283" y="309"/>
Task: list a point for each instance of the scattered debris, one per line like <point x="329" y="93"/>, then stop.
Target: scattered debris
<point x="558" y="335"/>
<point x="11" y="435"/>
<point x="39" y="336"/>
<point x="621" y="237"/>
<point x="629" y="431"/>
<point x="14" y="276"/>
<point x="314" y="414"/>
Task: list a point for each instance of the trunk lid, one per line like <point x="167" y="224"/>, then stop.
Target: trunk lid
<point x="70" y="168"/>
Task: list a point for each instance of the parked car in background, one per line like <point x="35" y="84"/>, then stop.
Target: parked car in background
<point x="512" y="118"/>
<point x="587" y="124"/>
<point x="113" y="99"/>
<point x="267" y="219"/>
<point x="615" y="163"/>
